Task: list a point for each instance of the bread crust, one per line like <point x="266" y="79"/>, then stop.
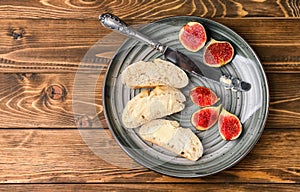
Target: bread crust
<point x="154" y="73"/>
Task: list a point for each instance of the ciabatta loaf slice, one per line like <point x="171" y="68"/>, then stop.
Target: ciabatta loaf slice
<point x="169" y="135"/>
<point x="146" y="106"/>
<point x="151" y="74"/>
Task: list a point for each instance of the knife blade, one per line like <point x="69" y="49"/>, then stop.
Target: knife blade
<point x="181" y="60"/>
<point x="205" y="72"/>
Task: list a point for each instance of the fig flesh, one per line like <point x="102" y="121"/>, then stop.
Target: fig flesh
<point x="192" y="36"/>
<point x="205" y="118"/>
<point x="218" y="53"/>
<point x="203" y="96"/>
<point x="229" y="125"/>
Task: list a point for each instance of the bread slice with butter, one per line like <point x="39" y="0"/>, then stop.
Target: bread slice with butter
<point x="149" y="105"/>
<point x="156" y="73"/>
<point x="169" y="135"/>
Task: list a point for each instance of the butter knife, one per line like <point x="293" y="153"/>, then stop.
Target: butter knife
<point x="111" y="21"/>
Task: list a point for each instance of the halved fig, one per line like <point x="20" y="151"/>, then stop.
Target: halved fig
<point x="192" y="36"/>
<point x="218" y="53"/>
<point x="205" y="118"/>
<point x="229" y="125"/>
<point x="203" y="96"/>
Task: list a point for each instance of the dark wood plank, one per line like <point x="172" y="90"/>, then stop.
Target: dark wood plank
<point x="68" y="100"/>
<point x="284" y="108"/>
<point x="150" y="187"/>
<point x="62" y="45"/>
<point x="61" y="156"/>
<point x="50" y="100"/>
<point x="47" y="45"/>
<point x="148" y="10"/>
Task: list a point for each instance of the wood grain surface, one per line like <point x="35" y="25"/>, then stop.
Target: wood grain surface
<point x="188" y="187"/>
<point x="63" y="49"/>
<point x="47" y="156"/>
<point x="61" y="100"/>
<point x="51" y="85"/>
<point x="148" y="11"/>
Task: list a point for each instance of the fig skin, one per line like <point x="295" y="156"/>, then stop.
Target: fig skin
<point x="225" y="55"/>
<point x="230" y="127"/>
<point x="205" y="118"/>
<point x="192" y="36"/>
<point x="203" y="96"/>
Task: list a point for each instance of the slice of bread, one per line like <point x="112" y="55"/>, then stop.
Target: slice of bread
<point x="151" y="74"/>
<point x="146" y="106"/>
<point x="169" y="135"/>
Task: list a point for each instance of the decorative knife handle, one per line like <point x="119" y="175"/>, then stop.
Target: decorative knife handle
<point x="115" y="23"/>
<point x="234" y="83"/>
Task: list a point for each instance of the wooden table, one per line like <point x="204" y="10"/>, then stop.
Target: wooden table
<point x="42" y="46"/>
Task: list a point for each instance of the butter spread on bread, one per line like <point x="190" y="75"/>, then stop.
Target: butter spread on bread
<point x="150" y="105"/>
<point x="169" y="135"/>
